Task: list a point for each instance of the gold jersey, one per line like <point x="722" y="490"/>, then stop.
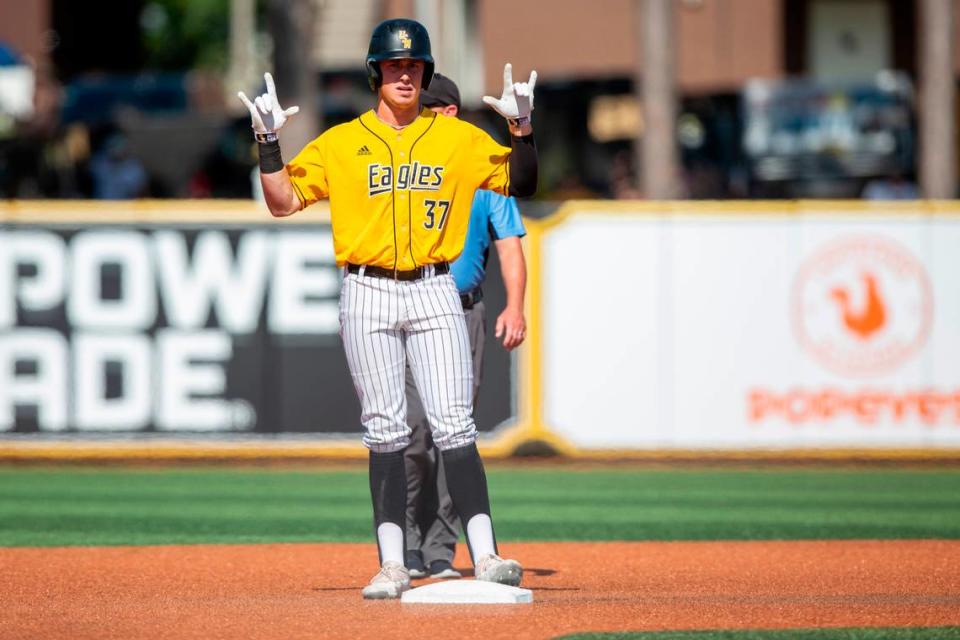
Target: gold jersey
<point x="399" y="198"/>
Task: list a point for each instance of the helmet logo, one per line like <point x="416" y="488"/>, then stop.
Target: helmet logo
<point x="404" y="38"/>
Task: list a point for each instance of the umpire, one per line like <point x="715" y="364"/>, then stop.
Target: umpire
<point x="432" y="522"/>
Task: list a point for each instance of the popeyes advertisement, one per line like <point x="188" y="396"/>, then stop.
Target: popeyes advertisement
<point x="778" y="326"/>
<point x="862" y="306"/>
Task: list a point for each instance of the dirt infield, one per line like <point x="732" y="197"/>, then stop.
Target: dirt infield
<point x="312" y="590"/>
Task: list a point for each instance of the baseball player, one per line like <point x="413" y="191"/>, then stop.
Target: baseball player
<point x="401" y="181"/>
<point x="432" y="527"/>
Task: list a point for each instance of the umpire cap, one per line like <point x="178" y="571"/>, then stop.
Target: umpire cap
<point x="398" y="38"/>
<point x="443" y="91"/>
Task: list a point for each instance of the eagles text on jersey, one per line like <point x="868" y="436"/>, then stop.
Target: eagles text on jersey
<point x="412" y="177"/>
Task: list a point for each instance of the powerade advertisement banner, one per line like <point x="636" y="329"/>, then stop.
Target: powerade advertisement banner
<point x="183" y="329"/>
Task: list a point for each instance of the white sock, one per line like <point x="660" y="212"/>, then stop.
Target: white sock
<point x="480" y="535"/>
<point x="390" y="538"/>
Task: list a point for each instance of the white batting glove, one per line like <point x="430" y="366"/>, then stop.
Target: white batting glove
<point x="516" y="103"/>
<point x="266" y="114"/>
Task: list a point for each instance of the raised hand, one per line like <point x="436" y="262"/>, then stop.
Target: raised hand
<point x="266" y="114"/>
<point x="516" y="103"/>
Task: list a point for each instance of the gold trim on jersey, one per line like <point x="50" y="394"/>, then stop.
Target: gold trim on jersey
<point x="378" y="127"/>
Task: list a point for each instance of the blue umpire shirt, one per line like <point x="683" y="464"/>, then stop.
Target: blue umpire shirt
<point x="490" y="215"/>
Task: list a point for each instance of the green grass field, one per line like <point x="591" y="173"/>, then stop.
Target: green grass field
<point x="116" y="506"/>
<point x="46" y="506"/>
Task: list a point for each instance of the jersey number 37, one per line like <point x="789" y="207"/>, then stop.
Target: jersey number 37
<point x="437" y="211"/>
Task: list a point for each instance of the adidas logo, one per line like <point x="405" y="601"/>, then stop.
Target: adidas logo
<point x="364" y="151"/>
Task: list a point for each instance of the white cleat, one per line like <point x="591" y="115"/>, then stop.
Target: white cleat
<point x="392" y="580"/>
<point x="493" y="568"/>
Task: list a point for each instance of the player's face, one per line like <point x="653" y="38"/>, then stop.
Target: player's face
<point x="401" y="82"/>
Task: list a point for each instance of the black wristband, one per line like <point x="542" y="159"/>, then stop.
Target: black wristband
<point x="270" y="159"/>
<point x="523" y="166"/>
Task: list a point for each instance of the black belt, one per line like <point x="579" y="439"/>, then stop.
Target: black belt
<point x="413" y="274"/>
<point x="468" y="300"/>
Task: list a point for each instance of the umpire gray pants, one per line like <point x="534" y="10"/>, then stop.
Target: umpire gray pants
<point x="432" y="524"/>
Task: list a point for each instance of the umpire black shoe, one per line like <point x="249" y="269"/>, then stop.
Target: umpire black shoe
<point x="443" y="569"/>
<point x="414" y="562"/>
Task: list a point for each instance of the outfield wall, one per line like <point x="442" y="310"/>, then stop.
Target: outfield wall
<point x="743" y="326"/>
<point x="208" y="329"/>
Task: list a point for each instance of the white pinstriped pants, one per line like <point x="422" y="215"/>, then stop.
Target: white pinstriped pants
<point x="383" y="322"/>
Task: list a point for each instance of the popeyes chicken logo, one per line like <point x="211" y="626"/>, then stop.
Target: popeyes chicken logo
<point x="862" y="305"/>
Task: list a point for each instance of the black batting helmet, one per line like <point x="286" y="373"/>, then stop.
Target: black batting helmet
<point x="394" y="39"/>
